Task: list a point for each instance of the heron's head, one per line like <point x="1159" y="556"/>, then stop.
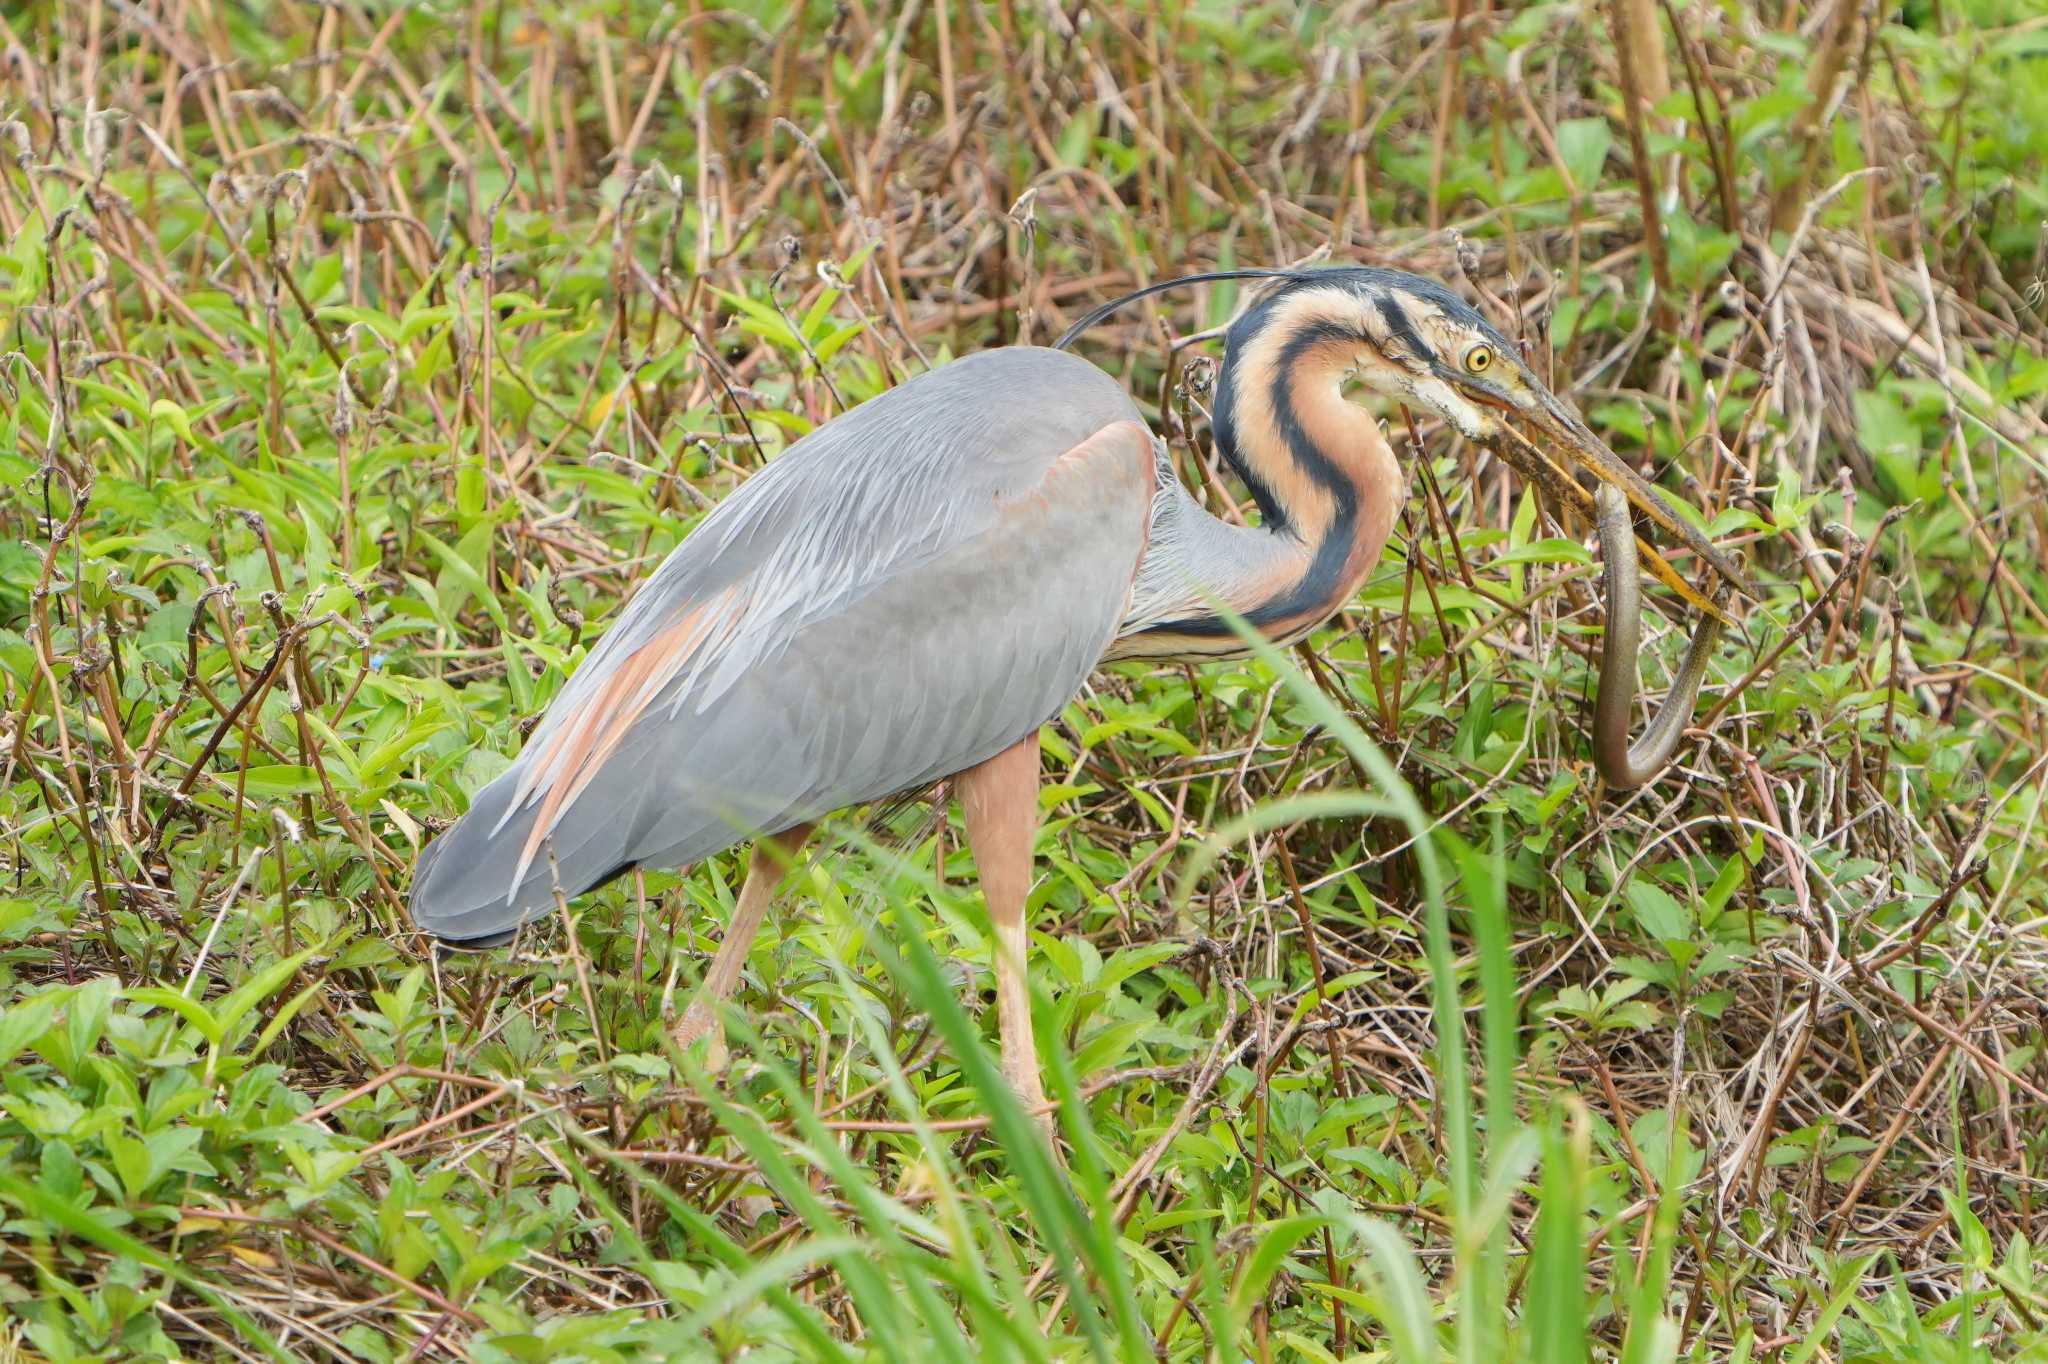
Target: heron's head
<point x="1413" y="340"/>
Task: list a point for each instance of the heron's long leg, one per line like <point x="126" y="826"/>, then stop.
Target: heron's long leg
<point x="999" y="799"/>
<point x="765" y="869"/>
<point x="1624" y="764"/>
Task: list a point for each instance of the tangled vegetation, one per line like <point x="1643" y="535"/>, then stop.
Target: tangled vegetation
<point x="360" y="358"/>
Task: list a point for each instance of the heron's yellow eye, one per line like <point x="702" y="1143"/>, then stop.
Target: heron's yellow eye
<point x="1479" y="359"/>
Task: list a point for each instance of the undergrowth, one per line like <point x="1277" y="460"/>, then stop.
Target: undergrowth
<point x="358" y="361"/>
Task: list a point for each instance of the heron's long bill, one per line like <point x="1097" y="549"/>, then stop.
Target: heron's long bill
<point x="1580" y="449"/>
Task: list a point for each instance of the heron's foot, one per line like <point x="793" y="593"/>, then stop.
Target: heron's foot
<point x="701" y="1027"/>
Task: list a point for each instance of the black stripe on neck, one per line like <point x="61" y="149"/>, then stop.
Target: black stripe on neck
<point x="1224" y="425"/>
<point x="1325" y="574"/>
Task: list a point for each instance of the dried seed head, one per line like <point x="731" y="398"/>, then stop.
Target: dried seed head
<point x="645" y="182"/>
<point x="99" y="139"/>
<point x="343" y="419"/>
<point x="1467" y="253"/>
<point x="291" y="187"/>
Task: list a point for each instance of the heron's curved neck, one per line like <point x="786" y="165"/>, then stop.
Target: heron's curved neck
<point x="1326" y="484"/>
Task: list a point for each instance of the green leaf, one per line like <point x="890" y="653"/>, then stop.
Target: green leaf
<point x="231" y="1010"/>
<point x="1661" y="916"/>
<point x="1557" y="1259"/>
<point x="1893" y="441"/>
<point x="1974" y="1240"/>
<point x="191" y="1010"/>
<point x="1276" y="1243"/>
<point x="1400" y="1300"/>
<point x="273" y="781"/>
<point x="170" y="413"/>
<point x="1078" y="136"/>
<point x="1583" y="143"/>
<point x="23" y="1023"/>
<point x="462" y="566"/>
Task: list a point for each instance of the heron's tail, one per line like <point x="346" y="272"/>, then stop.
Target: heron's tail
<point x="463" y="890"/>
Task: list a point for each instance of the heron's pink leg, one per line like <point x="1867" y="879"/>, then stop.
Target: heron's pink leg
<point x="765" y="869"/>
<point x="999" y="799"/>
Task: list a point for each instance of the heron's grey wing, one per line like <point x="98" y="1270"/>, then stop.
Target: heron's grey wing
<point x="904" y="593"/>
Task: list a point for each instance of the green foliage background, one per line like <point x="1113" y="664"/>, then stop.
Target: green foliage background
<point x="359" y="359"/>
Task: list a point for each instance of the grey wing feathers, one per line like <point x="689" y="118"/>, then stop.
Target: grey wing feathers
<point x="902" y="594"/>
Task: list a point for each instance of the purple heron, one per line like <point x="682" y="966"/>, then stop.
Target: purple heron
<point x="909" y="592"/>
